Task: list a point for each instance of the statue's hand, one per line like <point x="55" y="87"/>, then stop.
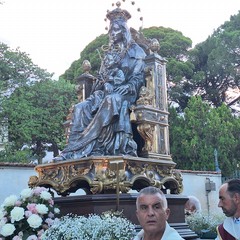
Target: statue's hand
<point x="108" y="87"/>
<point x="123" y="90"/>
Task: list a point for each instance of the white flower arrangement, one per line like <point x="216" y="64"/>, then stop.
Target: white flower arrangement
<point x="200" y="222"/>
<point x="107" y="226"/>
<point x="28" y="216"/>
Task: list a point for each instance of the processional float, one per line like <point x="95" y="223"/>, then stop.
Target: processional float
<point x="109" y="178"/>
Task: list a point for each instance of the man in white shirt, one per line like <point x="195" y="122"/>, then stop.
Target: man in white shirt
<point x="229" y="201"/>
<point x="152" y="213"/>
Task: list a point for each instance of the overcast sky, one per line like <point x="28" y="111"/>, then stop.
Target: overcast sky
<point x="54" y="32"/>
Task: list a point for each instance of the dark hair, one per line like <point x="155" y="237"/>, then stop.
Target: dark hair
<point x="233" y="186"/>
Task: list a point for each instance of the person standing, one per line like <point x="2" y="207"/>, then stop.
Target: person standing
<point x="229" y="201"/>
<point x="152" y="213"/>
<point x="192" y="205"/>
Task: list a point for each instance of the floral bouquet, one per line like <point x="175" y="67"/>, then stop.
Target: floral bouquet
<point x="201" y="222"/>
<point x="107" y="226"/>
<point x="27" y="217"/>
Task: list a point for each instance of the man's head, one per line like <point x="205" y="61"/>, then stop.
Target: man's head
<point x="152" y="211"/>
<point x="229" y="198"/>
<point x="192" y="205"/>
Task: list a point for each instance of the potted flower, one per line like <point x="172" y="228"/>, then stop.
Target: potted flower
<point x="204" y="225"/>
<point x="107" y="226"/>
<point x="28" y="216"/>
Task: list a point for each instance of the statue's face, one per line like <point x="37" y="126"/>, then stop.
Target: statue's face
<point x="109" y="61"/>
<point x="116" y="34"/>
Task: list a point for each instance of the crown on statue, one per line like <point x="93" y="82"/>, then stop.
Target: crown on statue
<point x="118" y="14"/>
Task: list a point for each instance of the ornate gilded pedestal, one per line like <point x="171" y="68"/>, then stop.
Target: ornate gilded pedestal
<point x="104" y="174"/>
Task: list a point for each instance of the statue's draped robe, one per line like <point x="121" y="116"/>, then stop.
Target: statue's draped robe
<point x="101" y="124"/>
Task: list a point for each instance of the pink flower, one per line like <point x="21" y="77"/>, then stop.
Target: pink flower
<point x="51" y="202"/>
<point x="49" y="221"/>
<point x="3" y="220"/>
<point x="17" y="238"/>
<point x="51" y="215"/>
<point x="32" y="237"/>
<point x="32" y="207"/>
<point x="18" y="203"/>
<point x="38" y="190"/>
<point x="28" y="214"/>
<point x="40" y="233"/>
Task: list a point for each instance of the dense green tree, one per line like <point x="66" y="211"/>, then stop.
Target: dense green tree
<point x="12" y="155"/>
<point x="92" y="52"/>
<point x="199" y="131"/>
<point x="217" y="63"/>
<point x="17" y="69"/>
<point x="172" y="42"/>
<point x="174" y="47"/>
<point x="36" y="113"/>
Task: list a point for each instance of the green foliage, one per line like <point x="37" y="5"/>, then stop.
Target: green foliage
<point x="201" y="129"/>
<point x="216" y="62"/>
<point x="17" y="69"/>
<point x="172" y="42"/>
<point x="36" y="113"/>
<point x="10" y="154"/>
<point x="174" y="46"/>
<point x="90" y="53"/>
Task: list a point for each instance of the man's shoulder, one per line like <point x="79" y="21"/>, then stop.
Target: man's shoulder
<point x="139" y="236"/>
<point x="171" y="233"/>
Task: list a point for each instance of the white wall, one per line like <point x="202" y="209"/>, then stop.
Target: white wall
<point x="194" y="184"/>
<point x="14" y="178"/>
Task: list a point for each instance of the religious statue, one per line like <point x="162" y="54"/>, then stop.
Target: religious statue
<point x="101" y="153"/>
<point x="101" y="123"/>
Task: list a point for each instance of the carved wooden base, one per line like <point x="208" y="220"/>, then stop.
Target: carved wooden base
<point x="107" y="174"/>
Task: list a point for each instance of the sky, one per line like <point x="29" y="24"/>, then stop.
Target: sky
<point x="54" y="32"/>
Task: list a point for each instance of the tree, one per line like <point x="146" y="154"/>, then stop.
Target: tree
<point x="36" y="113"/>
<point x="217" y="63"/>
<point x="17" y="69"/>
<point x="201" y="129"/>
<point x="92" y="52"/>
<point x="174" y="47"/>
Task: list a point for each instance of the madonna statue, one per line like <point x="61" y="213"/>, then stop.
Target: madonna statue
<point x="101" y="123"/>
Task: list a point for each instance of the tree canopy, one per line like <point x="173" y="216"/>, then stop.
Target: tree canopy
<point x="17" y="69"/>
<point x="217" y="62"/>
<point x="199" y="131"/>
<point x="174" y="46"/>
<point x="36" y="114"/>
<point x="92" y="53"/>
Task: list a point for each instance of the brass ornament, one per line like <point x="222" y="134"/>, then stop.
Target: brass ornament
<point x="95" y="175"/>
